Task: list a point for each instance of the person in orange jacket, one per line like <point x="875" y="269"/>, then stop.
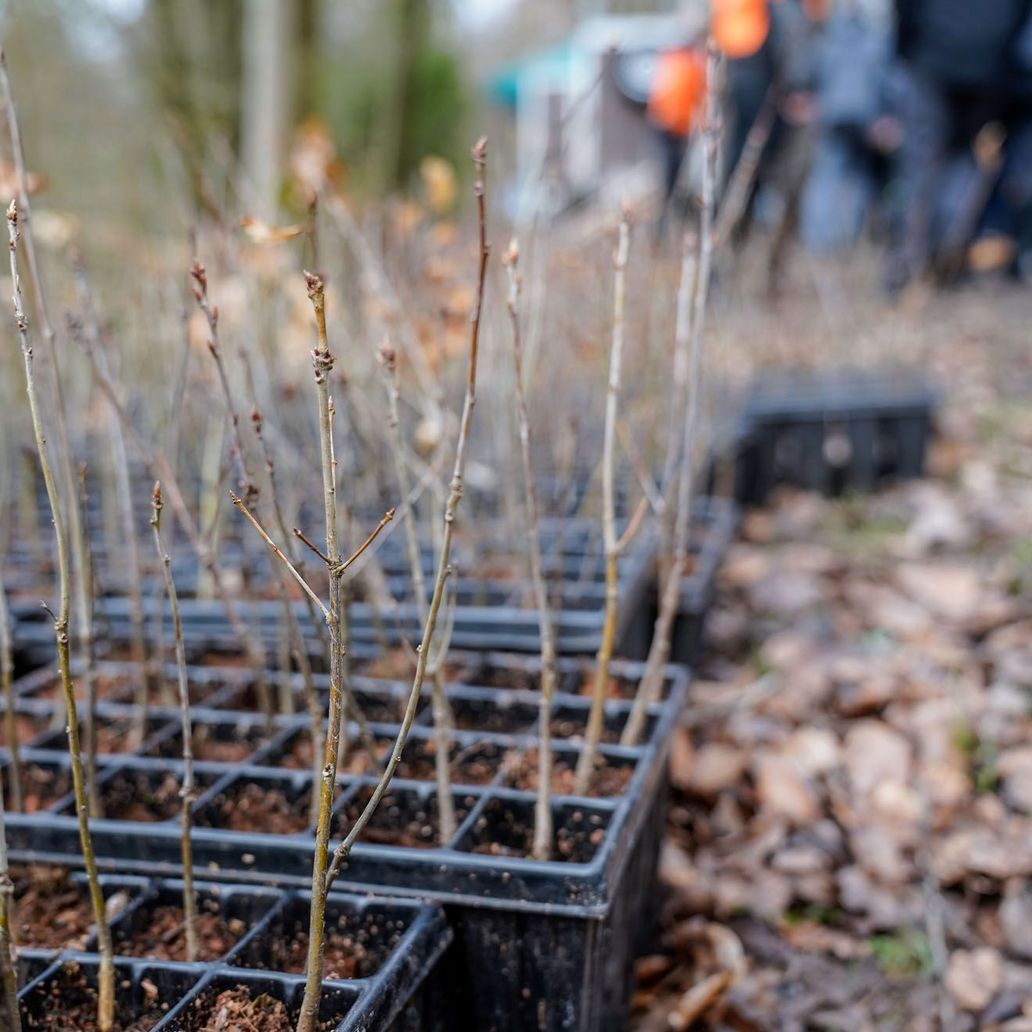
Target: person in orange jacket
<point x="675" y="104"/>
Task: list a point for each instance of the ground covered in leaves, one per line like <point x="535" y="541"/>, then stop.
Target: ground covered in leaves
<point x="850" y="840"/>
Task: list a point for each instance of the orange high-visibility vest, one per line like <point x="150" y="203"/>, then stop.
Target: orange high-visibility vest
<point x="678" y="90"/>
<point x="740" y="27"/>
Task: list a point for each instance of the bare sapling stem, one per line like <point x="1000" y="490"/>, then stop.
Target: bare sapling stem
<point x="441" y="712"/>
<point x="124" y="497"/>
<point x="389" y="366"/>
<point x="659" y="651"/>
<point x="322" y="363"/>
<point x="106" y="973"/>
<point x="337" y="565"/>
<point x="611" y="545"/>
<point x="10" y="1014"/>
<point x="247" y="485"/>
<point x="89" y="675"/>
<point x="7" y="690"/>
<point x="161" y="469"/>
<point x="81" y="586"/>
<point x="678" y="389"/>
<point x="542" y="845"/>
<point x="188" y="790"/>
<point x="444" y="568"/>
<point x="295" y="638"/>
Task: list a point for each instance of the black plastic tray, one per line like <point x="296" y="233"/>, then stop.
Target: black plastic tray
<point x="491" y="614"/>
<point x="405" y="940"/>
<point x="716" y="520"/>
<point x="831" y="433"/>
<point x="537" y="944"/>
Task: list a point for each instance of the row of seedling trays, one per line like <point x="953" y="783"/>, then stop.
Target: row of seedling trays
<point x="491" y="613"/>
<point x="250" y="961"/>
<point x="536" y="944"/>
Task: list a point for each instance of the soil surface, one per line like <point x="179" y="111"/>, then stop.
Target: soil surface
<point x="255" y="808"/>
<point x="475" y="764"/>
<point x="504" y="833"/>
<point x="130" y="797"/>
<point x="41" y="786"/>
<point x="607" y="781"/>
<point x="344" y="957"/>
<point x="70" y="1005"/>
<point x="164" y="936"/>
<point x="233" y="1010"/>
<point x="50" y="909"/>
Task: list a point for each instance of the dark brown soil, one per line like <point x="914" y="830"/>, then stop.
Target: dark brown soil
<point x="391" y="666"/>
<point x="503" y="833"/>
<point x="607" y="781"/>
<point x="110" y="689"/>
<point x="26" y="727"/>
<point x="50" y="910"/>
<point x="472" y="765"/>
<point x="233" y="1010"/>
<point x="254" y="808"/>
<point x="617" y="687"/>
<point x="164" y="937"/>
<point x="343" y="957"/>
<point x="298" y="754"/>
<point x="135" y="797"/>
<point x="70" y="1005"/>
<point x="400" y="820"/>
<point x="207" y="745"/>
<point x="41" y="786"/>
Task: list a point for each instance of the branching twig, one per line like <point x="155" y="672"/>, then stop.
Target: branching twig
<point x="188" y="791"/>
<point x="593" y="733"/>
<point x="302" y="583"/>
<point x="444" y="559"/>
<point x="106" y="979"/>
<point x="322" y="362"/>
<point x="211" y="314"/>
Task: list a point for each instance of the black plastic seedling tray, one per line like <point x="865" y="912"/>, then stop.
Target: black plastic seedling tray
<point x="538" y="944"/>
<point x="377" y="980"/>
<point x="713" y="527"/>
<point x="831" y="433"/>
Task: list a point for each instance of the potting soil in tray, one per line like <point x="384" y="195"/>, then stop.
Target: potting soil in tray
<point x="379" y="952"/>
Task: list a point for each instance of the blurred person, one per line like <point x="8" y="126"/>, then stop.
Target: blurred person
<point x="769" y="69"/>
<point x="855" y="132"/>
<point x="675" y="107"/>
<point x="954" y="58"/>
<point x="765" y="46"/>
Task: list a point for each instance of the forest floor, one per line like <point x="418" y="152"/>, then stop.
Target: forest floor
<point x="850" y="836"/>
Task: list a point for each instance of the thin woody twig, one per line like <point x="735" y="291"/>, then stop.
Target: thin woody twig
<point x="659" y="650"/>
<point x="339" y="569"/>
<point x="633" y="526"/>
<point x="10" y="1014"/>
<point x="543" y="825"/>
<point x="7" y="691"/>
<point x="589" y="751"/>
<point x="106" y="972"/>
<point x="303" y="584"/>
<point x="188" y="790"/>
<point x="444" y="559"/>
<point x="211" y="313"/>
<point x="304" y="539"/>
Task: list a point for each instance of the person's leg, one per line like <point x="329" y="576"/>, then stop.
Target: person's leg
<point x="672" y="150"/>
<point x="925" y="116"/>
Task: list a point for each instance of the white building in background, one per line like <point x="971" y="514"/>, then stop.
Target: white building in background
<point x="581" y="130"/>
